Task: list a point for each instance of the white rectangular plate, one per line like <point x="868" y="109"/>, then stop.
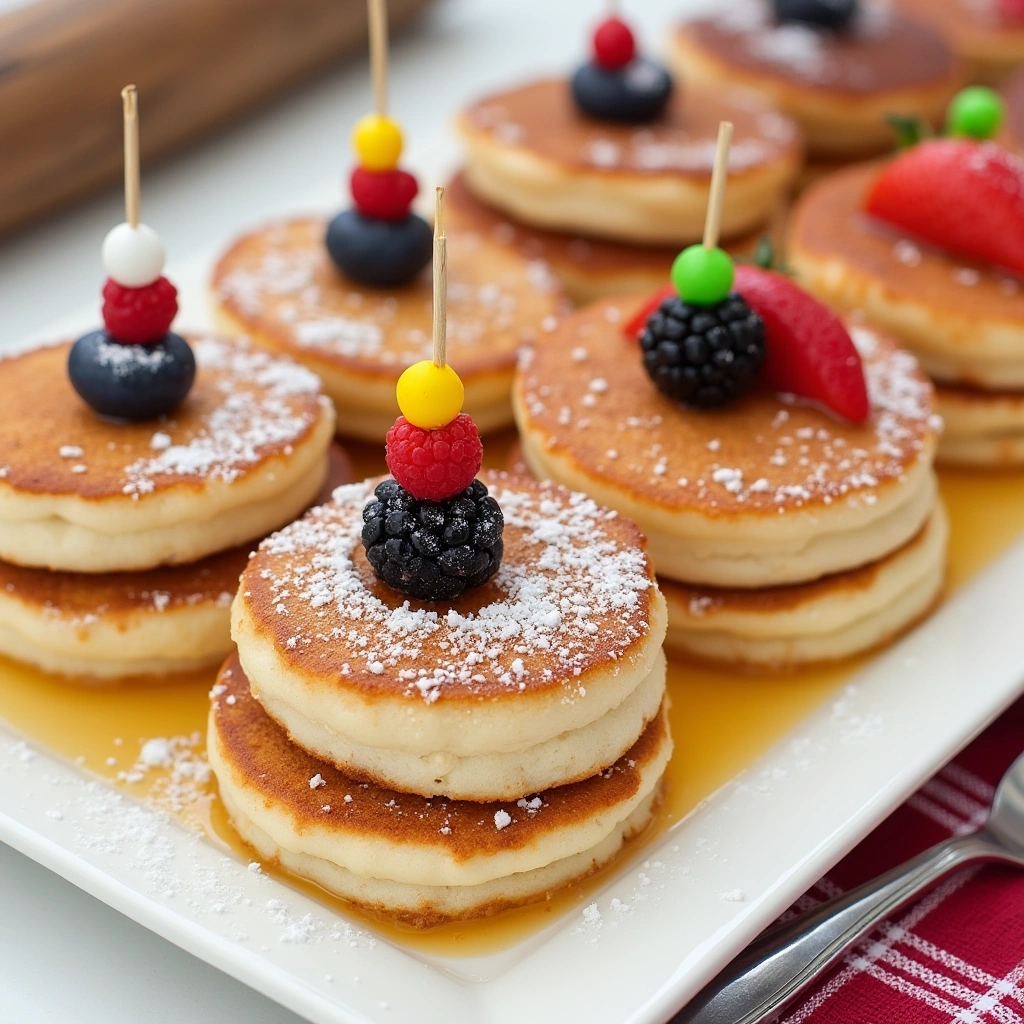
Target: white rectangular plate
<point x="656" y="933"/>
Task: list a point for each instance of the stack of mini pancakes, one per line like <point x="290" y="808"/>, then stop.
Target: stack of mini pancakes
<point x="443" y="764"/>
<point x="781" y="535"/>
<point x="122" y="543"/>
<point x="609" y="205"/>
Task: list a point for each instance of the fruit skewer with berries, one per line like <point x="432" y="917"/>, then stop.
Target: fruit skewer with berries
<point x="134" y="368"/>
<point x="433" y="531"/>
<point x="380" y="242"/>
<point x="719" y="328"/>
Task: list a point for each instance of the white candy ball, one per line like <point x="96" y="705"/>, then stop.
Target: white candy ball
<point x="133" y="257"/>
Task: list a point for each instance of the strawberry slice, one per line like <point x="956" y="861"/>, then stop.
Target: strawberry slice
<point x="1011" y="10"/>
<point x="810" y="352"/>
<point x="635" y="325"/>
<point x="965" y="196"/>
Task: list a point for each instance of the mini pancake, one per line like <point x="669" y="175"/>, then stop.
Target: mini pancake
<point x="589" y="268"/>
<point x="983" y="428"/>
<point x="544" y="675"/>
<point x="825" y="620"/>
<point x="964" y="320"/>
<point x="420" y="860"/>
<point x="102" y="627"/>
<point x="245" y="452"/>
<point x="758" y="494"/>
<point x="534" y="156"/>
<point x="991" y="44"/>
<point x="839" y="87"/>
<point x="278" y="285"/>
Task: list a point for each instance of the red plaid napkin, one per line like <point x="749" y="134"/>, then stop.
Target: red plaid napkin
<point x="956" y="956"/>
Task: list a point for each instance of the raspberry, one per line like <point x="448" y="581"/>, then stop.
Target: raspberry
<point x="384" y="195"/>
<point x="433" y="551"/>
<point x="139" y="315"/>
<point x="433" y="465"/>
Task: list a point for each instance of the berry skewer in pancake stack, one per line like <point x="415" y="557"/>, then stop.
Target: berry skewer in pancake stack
<point x="605" y="175"/>
<point x="133" y="464"/>
<point x="779" y="462"/>
<point x="449" y="692"/>
<point x="930" y="248"/>
<point x="838" y="67"/>
<point x="347" y="296"/>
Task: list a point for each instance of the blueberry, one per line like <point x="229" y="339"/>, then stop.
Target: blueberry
<point x="131" y="382"/>
<point x="379" y="253"/>
<point x="634" y="94"/>
<point x="832" y="14"/>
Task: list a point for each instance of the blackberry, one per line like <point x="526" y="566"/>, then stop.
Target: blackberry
<point x="703" y="356"/>
<point x="433" y="550"/>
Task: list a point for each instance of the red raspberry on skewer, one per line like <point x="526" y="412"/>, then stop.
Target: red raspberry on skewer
<point x="434" y="465"/>
<point x="139" y="315"/>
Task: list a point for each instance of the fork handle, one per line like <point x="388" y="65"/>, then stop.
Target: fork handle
<point x="784" y="960"/>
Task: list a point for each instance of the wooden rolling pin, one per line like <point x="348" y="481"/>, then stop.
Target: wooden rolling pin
<point x="197" y="64"/>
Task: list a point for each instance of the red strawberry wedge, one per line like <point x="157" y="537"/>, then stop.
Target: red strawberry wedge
<point x="809" y="351"/>
<point x="965" y="196"/>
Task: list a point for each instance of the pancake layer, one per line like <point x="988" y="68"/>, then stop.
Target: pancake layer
<point x="514" y="680"/>
<point x="245" y="452"/>
<point x="977" y="31"/>
<point x="421" y="860"/>
<point x="839" y="87"/>
<point x="762" y="493"/>
<point x="964" y="320"/>
<point x="534" y="156"/>
<point x="825" y="620"/>
<point x="278" y="285"/>
<point x="102" y="627"/>
<point x="589" y="268"/>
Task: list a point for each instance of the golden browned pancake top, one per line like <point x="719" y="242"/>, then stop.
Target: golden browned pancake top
<point x="586" y="390"/>
<point x="882" y="53"/>
<point x="82" y="598"/>
<point x="829" y="222"/>
<point x="965" y="18"/>
<point x="260" y="753"/>
<point x="245" y="407"/>
<point x="573" y="596"/>
<point x="591" y="255"/>
<point x="280" y="282"/>
<point x="702" y="600"/>
<point x="542" y="119"/>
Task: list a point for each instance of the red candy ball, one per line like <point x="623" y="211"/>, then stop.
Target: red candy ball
<point x="384" y="195"/>
<point x="434" y="465"/>
<point x="139" y="315"/>
<point x="614" y="44"/>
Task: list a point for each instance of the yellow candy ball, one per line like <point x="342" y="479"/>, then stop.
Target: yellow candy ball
<point x="378" y="142"/>
<point x="430" y="396"/>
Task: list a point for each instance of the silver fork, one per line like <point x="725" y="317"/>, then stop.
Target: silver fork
<point x="783" y="961"/>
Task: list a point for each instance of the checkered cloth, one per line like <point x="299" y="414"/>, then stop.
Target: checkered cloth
<point x="956" y="956"/>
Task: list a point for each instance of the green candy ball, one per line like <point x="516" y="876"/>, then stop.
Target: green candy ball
<point x="702" y="276"/>
<point x="975" y="113"/>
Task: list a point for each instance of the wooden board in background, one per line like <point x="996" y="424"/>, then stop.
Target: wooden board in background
<point x="197" y="63"/>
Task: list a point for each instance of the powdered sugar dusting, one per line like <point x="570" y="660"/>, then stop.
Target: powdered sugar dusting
<point x="573" y="580"/>
<point x="786" y="454"/>
<point x="254" y="417"/>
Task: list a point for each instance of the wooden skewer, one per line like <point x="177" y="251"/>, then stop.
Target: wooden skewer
<point x="440" y="281"/>
<point x="719" y="175"/>
<point x="378" y="17"/>
<point x="130" y="102"/>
